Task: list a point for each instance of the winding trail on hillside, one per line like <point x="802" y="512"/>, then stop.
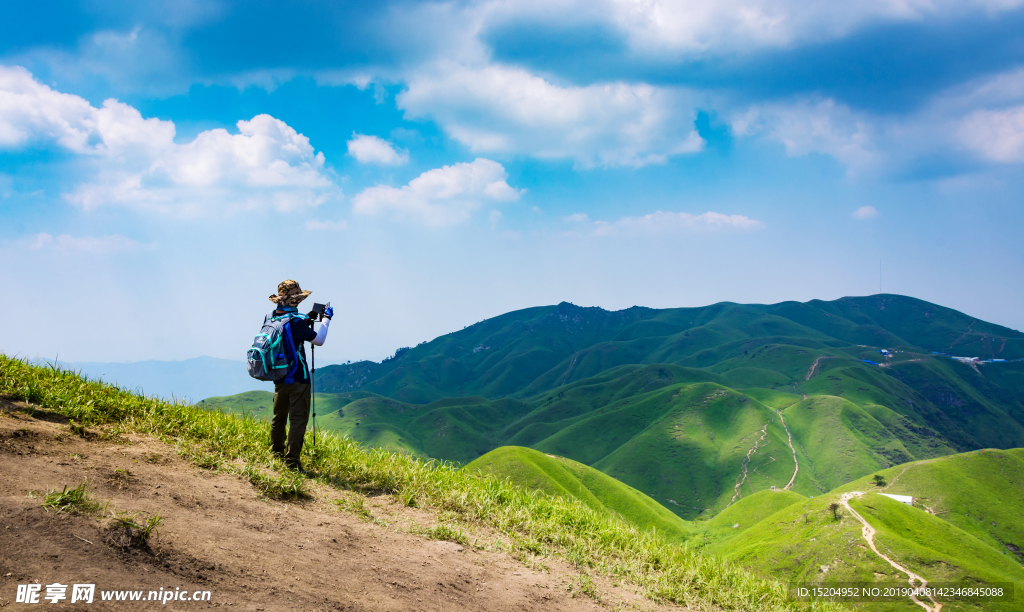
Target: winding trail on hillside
<point x="796" y="464"/>
<point x="814" y="366"/>
<point x="970" y="330"/>
<point x="893" y="481"/>
<point x="746" y="463"/>
<point x="868" y="532"/>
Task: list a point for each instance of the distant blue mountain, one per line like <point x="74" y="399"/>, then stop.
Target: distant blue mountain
<point x="191" y="379"/>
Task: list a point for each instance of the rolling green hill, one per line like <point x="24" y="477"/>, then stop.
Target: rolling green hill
<point x="964" y="526"/>
<point x="567" y="478"/>
<point x="752" y="509"/>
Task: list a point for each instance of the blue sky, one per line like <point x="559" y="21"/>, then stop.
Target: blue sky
<point x="423" y="166"/>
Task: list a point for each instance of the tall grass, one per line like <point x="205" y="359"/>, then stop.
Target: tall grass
<point x="532" y="522"/>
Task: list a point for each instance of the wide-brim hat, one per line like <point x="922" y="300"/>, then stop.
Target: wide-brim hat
<point x="289" y="293"/>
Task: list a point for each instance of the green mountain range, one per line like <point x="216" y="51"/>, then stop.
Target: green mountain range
<point x="737" y="419"/>
<point x="696" y="407"/>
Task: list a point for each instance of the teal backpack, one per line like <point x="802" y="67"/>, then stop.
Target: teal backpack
<point x="273" y="356"/>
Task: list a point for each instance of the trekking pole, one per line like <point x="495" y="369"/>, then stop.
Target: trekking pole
<point x="312" y="389"/>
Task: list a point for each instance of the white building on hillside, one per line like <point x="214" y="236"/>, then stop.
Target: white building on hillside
<point x="906" y="499"/>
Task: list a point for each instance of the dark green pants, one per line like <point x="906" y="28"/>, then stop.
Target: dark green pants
<point x="291" y="406"/>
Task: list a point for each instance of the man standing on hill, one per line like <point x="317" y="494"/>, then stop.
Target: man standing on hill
<point x="292" y="394"/>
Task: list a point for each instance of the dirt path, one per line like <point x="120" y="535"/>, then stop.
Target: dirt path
<point x="220" y="536"/>
<point x="572" y="364"/>
<point x="970" y="330"/>
<point x="868" y="532"/>
<point x="893" y="481"/>
<point x="746" y="462"/>
<point x="814" y="367"/>
<point x="796" y="463"/>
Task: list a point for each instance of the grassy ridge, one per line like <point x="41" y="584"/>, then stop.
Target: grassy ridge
<point x="530" y="521"/>
<point x="753" y="509"/>
<point x="567" y="478"/>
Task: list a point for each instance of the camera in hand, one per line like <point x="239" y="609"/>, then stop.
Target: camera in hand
<point x="318" y="311"/>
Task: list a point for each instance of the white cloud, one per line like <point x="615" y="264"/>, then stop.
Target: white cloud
<point x="662" y="222"/>
<point x="136" y="163"/>
<point x="88" y="244"/>
<point x="680" y="28"/>
<point x="500" y="109"/>
<point x="439" y="197"/>
<point x="813" y="126"/>
<point x="865" y="212"/>
<point x="693" y="26"/>
<point x="996" y="134"/>
<point x="30" y="110"/>
<point x="576" y="218"/>
<point x="374" y="150"/>
<point x="334" y="226"/>
<point x="984" y="117"/>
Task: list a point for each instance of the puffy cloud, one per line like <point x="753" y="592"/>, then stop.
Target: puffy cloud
<point x="813" y="126"/>
<point x="334" y="226"/>
<point x="984" y="117"/>
<point x="88" y="244"/>
<point x="32" y="111"/>
<point x="374" y="150"/>
<point x="996" y="134"/>
<point x="662" y="222"/>
<point x="442" y="196"/>
<point x="500" y="109"/>
<point x="865" y="212"/>
<point x="136" y="162"/>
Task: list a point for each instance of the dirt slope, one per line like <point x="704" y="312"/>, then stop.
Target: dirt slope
<point x="251" y="553"/>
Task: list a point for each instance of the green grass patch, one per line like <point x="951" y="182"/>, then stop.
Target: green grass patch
<point x="77" y="500"/>
<point x="753" y="509"/>
<point x="286" y="485"/>
<point x="444" y="531"/>
<point x="355" y="504"/>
